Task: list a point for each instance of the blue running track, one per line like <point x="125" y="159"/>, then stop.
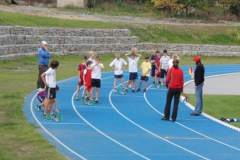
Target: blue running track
<point x="129" y="127"/>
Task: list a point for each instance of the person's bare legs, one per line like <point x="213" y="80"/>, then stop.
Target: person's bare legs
<point x="115" y="84"/>
<point x="97" y="94"/>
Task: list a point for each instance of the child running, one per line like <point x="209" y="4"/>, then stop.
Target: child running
<point x="97" y="67"/>
<point x="145" y="68"/>
<point x="49" y="79"/>
<point x="117" y="64"/>
<point x="87" y="78"/>
<point x="157" y="69"/>
<point x="81" y="68"/>
<point x="133" y="59"/>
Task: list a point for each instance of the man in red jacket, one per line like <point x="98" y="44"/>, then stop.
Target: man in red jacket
<point x="174" y="84"/>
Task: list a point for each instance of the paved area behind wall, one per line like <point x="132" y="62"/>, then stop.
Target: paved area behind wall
<point x="220" y="85"/>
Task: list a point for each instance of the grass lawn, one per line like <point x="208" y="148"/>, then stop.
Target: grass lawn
<point x="224" y="35"/>
<point x="221" y="106"/>
<point x="18" y="78"/>
<point x="138" y="10"/>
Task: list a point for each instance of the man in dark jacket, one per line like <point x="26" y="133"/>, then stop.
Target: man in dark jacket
<point x="199" y="82"/>
<point x="174" y="82"/>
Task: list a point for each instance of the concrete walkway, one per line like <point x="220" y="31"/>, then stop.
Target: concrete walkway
<point x="220" y="85"/>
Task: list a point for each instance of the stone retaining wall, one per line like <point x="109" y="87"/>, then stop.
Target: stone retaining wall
<point x="17" y="41"/>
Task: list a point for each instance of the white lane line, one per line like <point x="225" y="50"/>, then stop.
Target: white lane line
<point x="117" y="95"/>
<point x="151" y="133"/>
<point x="63" y="123"/>
<point x="50" y="134"/>
<point x="105" y="135"/>
<point x="207" y="115"/>
<point x="47" y="131"/>
<point x="190" y="129"/>
<point x="93" y="107"/>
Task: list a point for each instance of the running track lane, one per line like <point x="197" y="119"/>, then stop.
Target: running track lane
<point x="129" y="127"/>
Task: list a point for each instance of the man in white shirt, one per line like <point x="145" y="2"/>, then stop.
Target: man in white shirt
<point x="133" y="59"/>
<point x="164" y="61"/>
<point x="49" y="79"/>
<point x="118" y="64"/>
<point x="96" y="77"/>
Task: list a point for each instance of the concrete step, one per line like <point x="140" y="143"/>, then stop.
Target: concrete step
<point x="29" y="39"/>
<point x="66" y="48"/>
<point x="13" y="30"/>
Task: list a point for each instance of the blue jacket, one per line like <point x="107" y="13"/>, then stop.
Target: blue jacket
<point x="43" y="56"/>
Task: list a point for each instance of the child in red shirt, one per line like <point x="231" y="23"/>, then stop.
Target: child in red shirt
<point x="157" y="69"/>
<point x="81" y="68"/>
<point x="87" y="77"/>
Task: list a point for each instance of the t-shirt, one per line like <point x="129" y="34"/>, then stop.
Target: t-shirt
<point x="51" y="78"/>
<point x="97" y="70"/>
<point x="87" y="77"/>
<point x="133" y="64"/>
<point x="164" y="62"/>
<point x="170" y="63"/>
<point x="81" y="68"/>
<point x="157" y="62"/>
<point x="43" y="56"/>
<point x="118" y="65"/>
<point x="146" y="67"/>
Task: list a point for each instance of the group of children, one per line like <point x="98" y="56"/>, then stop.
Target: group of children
<point x="90" y="71"/>
<point x="90" y="74"/>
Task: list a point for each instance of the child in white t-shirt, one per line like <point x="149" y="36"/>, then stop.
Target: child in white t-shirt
<point x="96" y="77"/>
<point x="49" y="79"/>
<point x="164" y="61"/>
<point x="133" y="59"/>
<point x="118" y="65"/>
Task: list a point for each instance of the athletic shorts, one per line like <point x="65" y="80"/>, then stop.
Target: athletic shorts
<point x="51" y="93"/>
<point x="144" y="78"/>
<point x="118" y="76"/>
<point x="133" y="75"/>
<point x="157" y="73"/>
<point x="153" y="70"/>
<point x="96" y="83"/>
<point x="163" y="73"/>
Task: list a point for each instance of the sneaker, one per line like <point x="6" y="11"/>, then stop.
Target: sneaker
<point x="115" y="91"/>
<point x="138" y="90"/>
<point x="165" y="119"/>
<point x="48" y="117"/>
<point x="76" y="98"/>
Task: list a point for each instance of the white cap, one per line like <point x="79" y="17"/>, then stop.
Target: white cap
<point x="44" y="43"/>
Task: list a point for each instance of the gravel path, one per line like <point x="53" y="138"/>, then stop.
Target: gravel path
<point x="53" y="12"/>
<point x="220" y="85"/>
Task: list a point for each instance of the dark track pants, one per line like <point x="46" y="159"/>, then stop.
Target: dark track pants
<point x="172" y="93"/>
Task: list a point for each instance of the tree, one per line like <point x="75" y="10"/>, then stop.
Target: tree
<point x="231" y="5"/>
<point x="169" y="5"/>
<point x="186" y="5"/>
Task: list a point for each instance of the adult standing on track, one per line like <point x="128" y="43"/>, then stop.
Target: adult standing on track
<point x="174" y="83"/>
<point x="43" y="60"/>
<point x="199" y="82"/>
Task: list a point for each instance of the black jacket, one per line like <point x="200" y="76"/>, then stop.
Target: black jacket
<point x="199" y="74"/>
